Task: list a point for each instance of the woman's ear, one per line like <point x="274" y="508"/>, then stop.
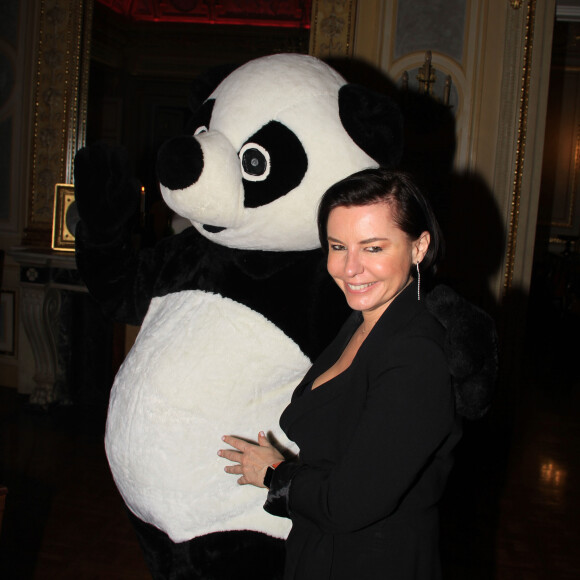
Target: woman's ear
<point x="420" y="247"/>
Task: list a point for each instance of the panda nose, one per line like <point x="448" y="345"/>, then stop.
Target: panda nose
<point x="179" y="162"/>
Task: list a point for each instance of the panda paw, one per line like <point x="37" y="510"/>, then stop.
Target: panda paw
<point x="107" y="196"/>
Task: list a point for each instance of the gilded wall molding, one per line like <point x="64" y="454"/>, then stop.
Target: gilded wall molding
<point x="520" y="146"/>
<point x="77" y="139"/>
<point x="332" y="28"/>
<point x="515" y="4"/>
<point x="56" y="129"/>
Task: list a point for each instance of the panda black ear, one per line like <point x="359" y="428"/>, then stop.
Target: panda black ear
<point x="374" y="122"/>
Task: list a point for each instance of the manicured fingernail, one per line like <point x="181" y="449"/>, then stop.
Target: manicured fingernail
<point x="219" y="452"/>
<point x="262" y="434"/>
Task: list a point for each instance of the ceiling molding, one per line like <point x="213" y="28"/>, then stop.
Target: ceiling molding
<point x="291" y="13"/>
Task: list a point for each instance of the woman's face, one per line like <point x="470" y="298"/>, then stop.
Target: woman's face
<point x="369" y="256"/>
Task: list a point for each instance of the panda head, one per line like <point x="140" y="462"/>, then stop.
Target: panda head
<point x="267" y="143"/>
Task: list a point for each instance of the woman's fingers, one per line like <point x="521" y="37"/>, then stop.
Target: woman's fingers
<point x="237" y="470"/>
<point x="242" y="445"/>
<point x="263" y="440"/>
<point x="231" y="455"/>
<point x="250" y="460"/>
<point x="235" y="442"/>
<point x="234" y="469"/>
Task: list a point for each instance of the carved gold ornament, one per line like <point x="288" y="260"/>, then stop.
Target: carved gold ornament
<point x="332" y="28"/>
<point x="521" y="146"/>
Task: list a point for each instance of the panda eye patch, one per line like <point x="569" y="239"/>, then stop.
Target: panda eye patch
<point x="255" y="162"/>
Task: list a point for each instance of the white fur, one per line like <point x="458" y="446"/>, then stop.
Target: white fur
<point x="221" y="205"/>
<point x="300" y="92"/>
<point x="202" y="366"/>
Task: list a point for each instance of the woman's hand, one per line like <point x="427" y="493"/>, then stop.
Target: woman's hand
<point x="251" y="460"/>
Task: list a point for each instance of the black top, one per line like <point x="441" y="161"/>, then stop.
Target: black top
<point x="375" y="451"/>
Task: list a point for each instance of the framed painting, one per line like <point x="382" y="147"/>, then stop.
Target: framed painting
<point x="65" y="218"/>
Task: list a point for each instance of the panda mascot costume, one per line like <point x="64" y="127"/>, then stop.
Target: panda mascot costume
<point x="232" y="309"/>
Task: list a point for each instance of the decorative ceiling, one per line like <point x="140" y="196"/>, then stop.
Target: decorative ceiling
<point x="276" y="13"/>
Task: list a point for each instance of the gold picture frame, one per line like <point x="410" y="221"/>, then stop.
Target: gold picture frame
<point x="65" y="218"/>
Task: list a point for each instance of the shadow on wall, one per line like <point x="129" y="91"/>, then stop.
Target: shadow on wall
<point x="469" y="216"/>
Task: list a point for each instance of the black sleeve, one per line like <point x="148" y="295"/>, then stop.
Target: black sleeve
<point x="279" y="490"/>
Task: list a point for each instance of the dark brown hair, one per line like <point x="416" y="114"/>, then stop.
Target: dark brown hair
<point x="411" y="210"/>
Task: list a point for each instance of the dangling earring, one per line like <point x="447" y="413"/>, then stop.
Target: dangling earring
<point x="418" y="282"/>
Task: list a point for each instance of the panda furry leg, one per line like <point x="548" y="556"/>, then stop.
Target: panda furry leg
<point x="217" y="556"/>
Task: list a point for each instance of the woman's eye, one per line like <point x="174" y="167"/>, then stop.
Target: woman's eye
<point x="374" y="249"/>
<point x="336" y="247"/>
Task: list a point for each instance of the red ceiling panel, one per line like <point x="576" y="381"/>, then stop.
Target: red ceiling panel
<point x="285" y="13"/>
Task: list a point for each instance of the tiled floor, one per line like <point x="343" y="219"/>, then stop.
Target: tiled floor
<point x="512" y="511"/>
<point x="539" y="516"/>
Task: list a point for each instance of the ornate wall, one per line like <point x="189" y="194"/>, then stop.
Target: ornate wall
<point x="10" y="88"/>
<point x="44" y="63"/>
<point x="496" y="53"/>
<point x="61" y="89"/>
<point x="59" y="82"/>
<point x="17" y="39"/>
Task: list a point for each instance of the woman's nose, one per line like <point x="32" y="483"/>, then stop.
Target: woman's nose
<point x="353" y="265"/>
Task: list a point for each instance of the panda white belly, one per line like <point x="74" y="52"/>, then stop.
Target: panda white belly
<point x="202" y="366"/>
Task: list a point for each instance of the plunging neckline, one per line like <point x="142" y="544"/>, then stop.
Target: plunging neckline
<point x="345" y="345"/>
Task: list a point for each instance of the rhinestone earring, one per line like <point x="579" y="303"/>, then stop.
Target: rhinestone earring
<point x="418" y="282"/>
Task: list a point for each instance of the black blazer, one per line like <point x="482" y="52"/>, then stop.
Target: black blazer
<point x="375" y="451"/>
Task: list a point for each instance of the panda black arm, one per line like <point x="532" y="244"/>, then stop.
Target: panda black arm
<point x="124" y="280"/>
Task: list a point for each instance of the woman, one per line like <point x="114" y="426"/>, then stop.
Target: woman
<point x="374" y="416"/>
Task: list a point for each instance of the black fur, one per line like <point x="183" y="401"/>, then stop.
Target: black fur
<point x="373" y="122"/>
<point x="109" y="197"/>
<point x="471" y="347"/>
<point x="179" y="162"/>
<point x="211" y="557"/>
<point x="288" y="165"/>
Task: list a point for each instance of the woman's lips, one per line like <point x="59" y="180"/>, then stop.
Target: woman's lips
<point x="359" y="287"/>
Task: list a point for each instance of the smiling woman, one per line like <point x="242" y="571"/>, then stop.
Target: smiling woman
<point x="371" y="260"/>
<point x="374" y="417"/>
<point x="385" y="214"/>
